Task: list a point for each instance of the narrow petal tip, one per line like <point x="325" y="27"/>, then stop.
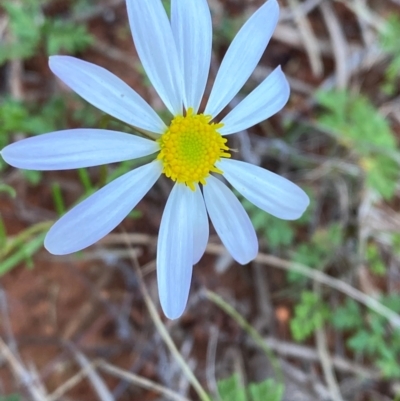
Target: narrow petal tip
<point x="175" y="251"/>
<point x="270" y="192"/>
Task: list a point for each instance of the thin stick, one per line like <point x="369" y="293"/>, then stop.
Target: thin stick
<point x="339" y="285"/>
<point x="165" y="335"/>
<point x="71" y="382"/>
<point x="140" y="381"/>
<point x="323" y="278"/>
<point x="325" y="358"/>
<point x="291" y="350"/>
<point x="339" y="43"/>
<point x="246" y="326"/>
<point x="309" y="39"/>
<point x="20" y="372"/>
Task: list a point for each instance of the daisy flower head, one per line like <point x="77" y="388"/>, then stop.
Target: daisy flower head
<point x="192" y="150"/>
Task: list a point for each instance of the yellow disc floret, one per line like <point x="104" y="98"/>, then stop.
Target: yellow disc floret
<point x="190" y="147"/>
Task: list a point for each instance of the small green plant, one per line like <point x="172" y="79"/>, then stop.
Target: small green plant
<point x="21" y="248"/>
<point x="322" y="246"/>
<point x="374" y="260"/>
<point x="10" y="191"/>
<point x="348" y="316"/>
<point x="276" y="232"/>
<point x="65" y="36"/>
<point x="309" y="314"/>
<point x="359" y="127"/>
<point x="25" y="20"/>
<point x="231" y="389"/>
<point x="389" y="42"/>
<point x="11" y="397"/>
<point x="318" y="251"/>
<point x="30" y="28"/>
<point x="369" y="337"/>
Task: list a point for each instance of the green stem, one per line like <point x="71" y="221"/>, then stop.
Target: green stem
<point x="247" y="327"/>
<point x="85" y="179"/>
<point x="24" y="236"/>
<point x="58" y="198"/>
<point x="28" y="249"/>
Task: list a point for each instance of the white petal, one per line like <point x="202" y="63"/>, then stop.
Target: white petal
<point x="192" y="30"/>
<point x="107" y="92"/>
<point x="263" y="102"/>
<point x="243" y="55"/>
<point x="97" y="215"/>
<point x="175" y="251"/>
<point x="268" y="191"/>
<point x="201" y="228"/>
<point x="230" y="221"/>
<point x="155" y="45"/>
<point x="76" y="148"/>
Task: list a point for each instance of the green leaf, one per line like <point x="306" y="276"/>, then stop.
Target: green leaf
<point x="24" y="253"/>
<point x="348" y="317"/>
<point x="64" y="36"/>
<point x="277" y="232"/>
<point x="382" y="174"/>
<point x="359" y="126"/>
<point x="3" y="234"/>
<point x="375" y="262"/>
<point x="309" y="315"/>
<point x="362" y="342"/>
<point x="323" y="245"/>
<point x="32" y="176"/>
<point x="267" y="390"/>
<point x="389" y="41"/>
<point x="230" y="389"/>
<point x="355" y="121"/>
<point x="392" y="301"/>
<point x="9" y="190"/>
<point x="11" y="397"/>
<point x="25" y="23"/>
<point x="389" y="366"/>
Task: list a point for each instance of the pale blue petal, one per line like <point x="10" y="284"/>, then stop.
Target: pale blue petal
<point x="192" y="30"/>
<point x="263" y="102"/>
<point x="175" y="251"/>
<point x="230" y="221"/>
<point x="107" y="92"/>
<point x="76" y="148"/>
<point x="97" y="215"/>
<point x="155" y="45"/>
<point x="268" y="191"/>
<point x="201" y="228"/>
<point x="242" y="56"/>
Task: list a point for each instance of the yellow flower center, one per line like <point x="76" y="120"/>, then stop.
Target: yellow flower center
<point x="190" y="147"/>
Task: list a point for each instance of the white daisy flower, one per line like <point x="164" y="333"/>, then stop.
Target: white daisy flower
<point x="191" y="151"/>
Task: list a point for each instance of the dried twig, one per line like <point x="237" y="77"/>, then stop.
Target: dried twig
<point x="325" y="358"/>
<point x="140" y="381"/>
<point x="323" y="278"/>
<point x="308" y="37"/>
<point x="72" y="382"/>
<point x="279" y="263"/>
<point x="303" y="9"/>
<point x="21" y="373"/>
<point x="97" y="382"/>
<point x="211" y="356"/>
<point x="292" y="350"/>
<point x="339" y="43"/>
<point x="163" y="331"/>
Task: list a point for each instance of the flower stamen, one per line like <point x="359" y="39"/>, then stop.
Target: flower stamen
<point x="190" y="147"/>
